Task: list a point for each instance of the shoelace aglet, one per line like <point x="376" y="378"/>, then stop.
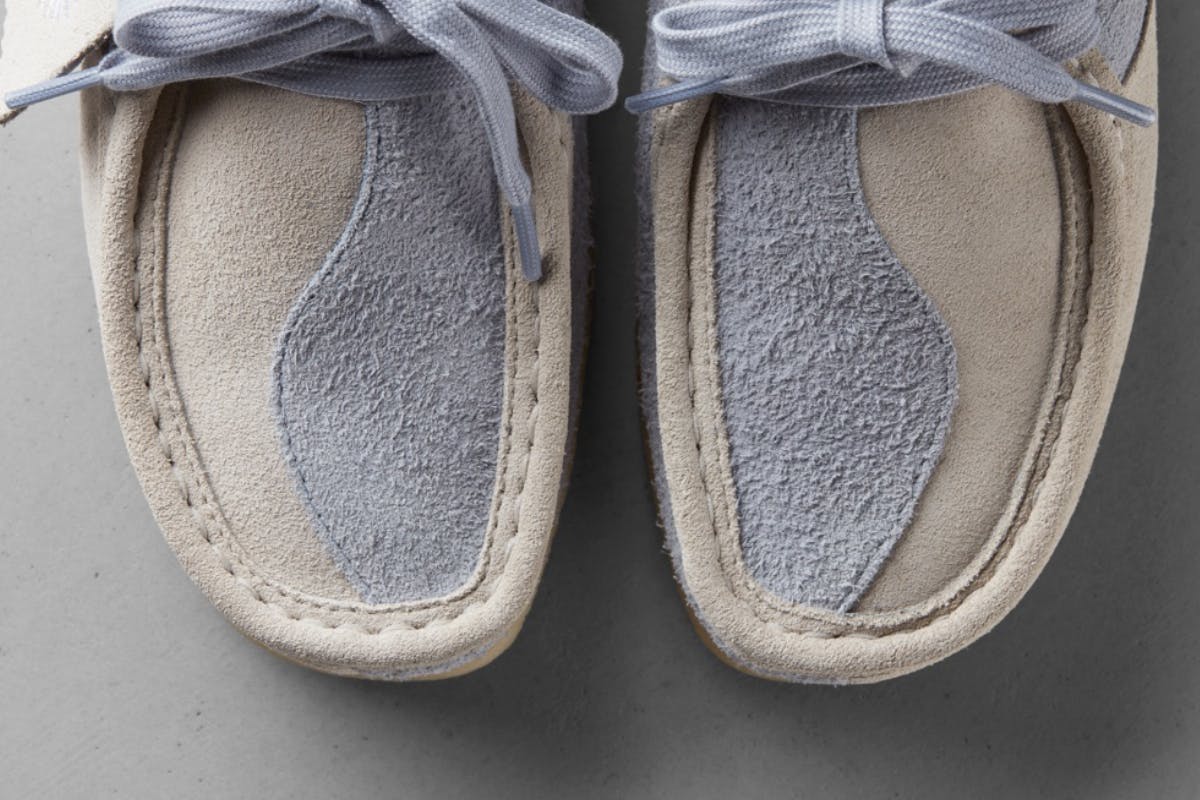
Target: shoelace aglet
<point x="1120" y="107"/>
<point x="55" y="87"/>
<point x="530" y="250"/>
<point x="675" y="93"/>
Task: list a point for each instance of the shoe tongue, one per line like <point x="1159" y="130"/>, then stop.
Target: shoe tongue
<point x="45" y="38"/>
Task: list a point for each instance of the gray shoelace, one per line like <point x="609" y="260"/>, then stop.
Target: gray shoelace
<point x="864" y="53"/>
<point x="371" y="50"/>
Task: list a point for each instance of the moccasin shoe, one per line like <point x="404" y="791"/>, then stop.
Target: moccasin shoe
<point x="891" y="255"/>
<point x="341" y="275"/>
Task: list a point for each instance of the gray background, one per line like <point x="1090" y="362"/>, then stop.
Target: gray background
<point x="118" y="679"/>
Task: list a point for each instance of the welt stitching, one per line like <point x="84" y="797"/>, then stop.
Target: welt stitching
<point x="205" y="513"/>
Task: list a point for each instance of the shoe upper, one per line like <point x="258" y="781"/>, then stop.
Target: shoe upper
<point x="879" y="314"/>
<point x="348" y="405"/>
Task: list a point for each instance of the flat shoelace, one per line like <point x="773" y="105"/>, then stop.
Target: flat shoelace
<point x="371" y="50"/>
<point x="865" y="53"/>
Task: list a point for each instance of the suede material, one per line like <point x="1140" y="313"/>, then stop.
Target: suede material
<point x="129" y="151"/>
<point x="390" y="371"/>
<point x="244" y="470"/>
<point x="138" y="153"/>
<point x="1104" y="203"/>
<point x="286" y="170"/>
<point x="837" y="372"/>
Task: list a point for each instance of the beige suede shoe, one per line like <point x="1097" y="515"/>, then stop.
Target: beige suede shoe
<point x="346" y="376"/>
<point x="884" y="310"/>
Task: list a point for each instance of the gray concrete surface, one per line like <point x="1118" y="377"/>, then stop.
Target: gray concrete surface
<point x="117" y="679"/>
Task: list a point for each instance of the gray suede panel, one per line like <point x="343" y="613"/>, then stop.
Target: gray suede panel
<point x="838" y="373"/>
<point x="390" y="371"/>
<point x="1123" y="21"/>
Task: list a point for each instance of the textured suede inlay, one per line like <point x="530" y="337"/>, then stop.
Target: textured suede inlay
<point x="391" y="369"/>
<point x="838" y="373"/>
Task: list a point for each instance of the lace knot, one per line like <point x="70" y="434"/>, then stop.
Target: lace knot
<point x="861" y="33"/>
<point x="870" y="53"/>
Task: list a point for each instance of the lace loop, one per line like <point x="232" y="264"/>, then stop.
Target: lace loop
<point x="370" y="51"/>
<point x="864" y="53"/>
